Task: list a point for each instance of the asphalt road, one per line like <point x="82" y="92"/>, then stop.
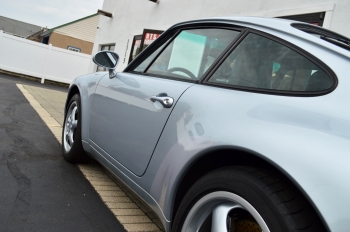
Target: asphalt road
<point x="39" y="191"/>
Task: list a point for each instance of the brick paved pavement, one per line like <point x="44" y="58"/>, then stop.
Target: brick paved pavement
<point x="51" y="100"/>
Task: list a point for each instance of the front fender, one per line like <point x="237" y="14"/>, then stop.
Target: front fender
<point x="85" y="86"/>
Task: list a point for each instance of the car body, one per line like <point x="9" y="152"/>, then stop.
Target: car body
<point x="299" y="127"/>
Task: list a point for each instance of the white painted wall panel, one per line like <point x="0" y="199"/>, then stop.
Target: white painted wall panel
<point x="21" y="55"/>
<point x="63" y="64"/>
<point x="84" y="29"/>
<point x="40" y="60"/>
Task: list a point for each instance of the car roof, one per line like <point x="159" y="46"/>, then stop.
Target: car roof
<point x="272" y="23"/>
<point x="276" y="25"/>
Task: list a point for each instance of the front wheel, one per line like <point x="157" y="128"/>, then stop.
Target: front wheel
<point x="72" y="147"/>
<point x="245" y="199"/>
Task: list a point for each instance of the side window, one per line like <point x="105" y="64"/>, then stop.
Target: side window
<point x="258" y="62"/>
<point x="190" y="54"/>
<point x="148" y="60"/>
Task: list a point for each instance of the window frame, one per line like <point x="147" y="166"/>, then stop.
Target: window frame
<point x="136" y="37"/>
<point x="106" y="45"/>
<point x="74" y="49"/>
<point x="168" y="37"/>
<point x="289" y="45"/>
<point x="175" y="30"/>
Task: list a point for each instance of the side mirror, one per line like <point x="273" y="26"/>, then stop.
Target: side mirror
<point x="108" y="60"/>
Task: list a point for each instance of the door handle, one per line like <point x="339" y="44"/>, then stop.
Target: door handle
<point x="163" y="99"/>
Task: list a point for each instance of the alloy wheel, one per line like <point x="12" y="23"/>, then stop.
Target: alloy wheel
<point x="223" y="211"/>
<point x="70" y="126"/>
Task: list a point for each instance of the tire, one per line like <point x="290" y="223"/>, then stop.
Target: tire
<point x="247" y="199"/>
<point x="72" y="148"/>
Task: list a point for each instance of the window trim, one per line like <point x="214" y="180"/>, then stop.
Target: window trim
<point x="133" y="46"/>
<point x="172" y="35"/>
<point x="72" y="48"/>
<point x="295" y="48"/>
<point x="244" y="32"/>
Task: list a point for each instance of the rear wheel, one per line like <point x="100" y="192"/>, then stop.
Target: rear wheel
<point x="244" y="199"/>
<point x="72" y="147"/>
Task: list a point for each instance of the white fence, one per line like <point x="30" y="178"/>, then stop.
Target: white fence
<point x="41" y="60"/>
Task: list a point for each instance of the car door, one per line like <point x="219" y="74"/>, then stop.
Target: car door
<point x="130" y="110"/>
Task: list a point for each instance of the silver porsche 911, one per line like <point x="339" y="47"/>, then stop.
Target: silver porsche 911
<point x="225" y="124"/>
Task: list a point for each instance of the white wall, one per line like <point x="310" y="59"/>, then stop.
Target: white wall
<point x="41" y="60"/>
<point x="130" y="17"/>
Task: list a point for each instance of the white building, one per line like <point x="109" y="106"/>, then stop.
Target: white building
<point x="125" y="31"/>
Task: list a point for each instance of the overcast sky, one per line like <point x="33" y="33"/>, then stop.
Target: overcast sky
<point x="50" y="13"/>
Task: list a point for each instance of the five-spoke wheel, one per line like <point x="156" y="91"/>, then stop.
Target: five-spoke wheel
<point x="70" y="126"/>
<point x="72" y="148"/>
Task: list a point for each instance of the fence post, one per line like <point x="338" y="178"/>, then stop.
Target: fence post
<point x="1" y="33"/>
<point x="46" y="63"/>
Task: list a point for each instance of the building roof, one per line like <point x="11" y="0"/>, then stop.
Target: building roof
<point x="36" y="35"/>
<point x="49" y="31"/>
<point x="17" y="28"/>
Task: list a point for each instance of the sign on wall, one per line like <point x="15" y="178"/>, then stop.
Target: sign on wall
<point x="148" y="38"/>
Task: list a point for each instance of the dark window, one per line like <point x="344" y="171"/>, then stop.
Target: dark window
<point x="148" y="37"/>
<point x="190" y="54"/>
<point x="74" y="49"/>
<point x="261" y="63"/>
<point x="136" y="47"/>
<point x="45" y="40"/>
<point x="142" y="67"/>
<point x="141" y="42"/>
<point x="108" y="47"/>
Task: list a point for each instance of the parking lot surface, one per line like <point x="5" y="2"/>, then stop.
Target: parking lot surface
<point x="48" y="101"/>
<point x="39" y="190"/>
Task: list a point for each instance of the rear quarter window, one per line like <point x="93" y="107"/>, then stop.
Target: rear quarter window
<point x="262" y="63"/>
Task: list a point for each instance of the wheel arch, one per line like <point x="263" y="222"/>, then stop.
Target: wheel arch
<point x="222" y="156"/>
<point x="71" y="92"/>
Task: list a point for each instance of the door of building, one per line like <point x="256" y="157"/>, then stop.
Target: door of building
<point x="140" y="42"/>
